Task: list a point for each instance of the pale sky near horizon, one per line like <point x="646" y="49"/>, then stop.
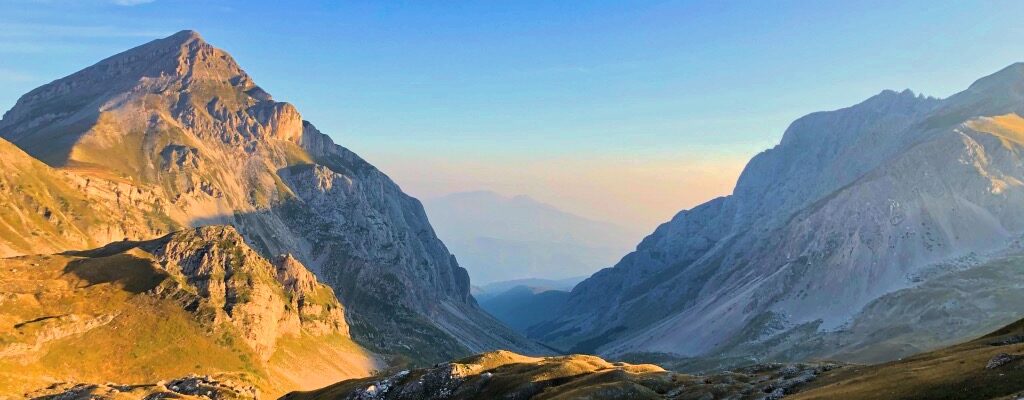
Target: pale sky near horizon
<point x="619" y="111"/>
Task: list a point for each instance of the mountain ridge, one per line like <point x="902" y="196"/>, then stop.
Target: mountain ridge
<point x="850" y="204"/>
<point x="192" y="141"/>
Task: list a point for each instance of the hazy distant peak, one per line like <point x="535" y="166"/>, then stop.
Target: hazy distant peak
<point x="524" y="198"/>
<point x="498" y="237"/>
<point x="472" y="194"/>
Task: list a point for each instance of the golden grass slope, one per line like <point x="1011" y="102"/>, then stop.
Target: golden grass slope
<point x="46" y="210"/>
<point x="1009" y="128"/>
<point x="121" y="314"/>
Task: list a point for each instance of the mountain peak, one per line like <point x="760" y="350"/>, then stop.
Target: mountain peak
<point x="185" y="36"/>
<point x="183" y="53"/>
<point x="180" y="76"/>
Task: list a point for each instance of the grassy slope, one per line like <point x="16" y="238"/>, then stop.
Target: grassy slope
<point x="42" y="211"/>
<point x="956" y="372"/>
<point x="67" y="318"/>
<point x="60" y="302"/>
<point x="48" y="210"/>
<point x="314" y="362"/>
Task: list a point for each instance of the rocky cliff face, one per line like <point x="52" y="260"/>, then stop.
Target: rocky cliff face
<point x="184" y="128"/>
<point x="853" y="204"/>
<point x="236" y="285"/>
<point x="195" y="301"/>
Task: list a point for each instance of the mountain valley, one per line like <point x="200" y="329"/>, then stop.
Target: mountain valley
<point x="170" y="230"/>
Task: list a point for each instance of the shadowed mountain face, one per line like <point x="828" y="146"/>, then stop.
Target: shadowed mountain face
<point x="174" y="133"/>
<point x="499" y="238"/>
<point x="853" y="205"/>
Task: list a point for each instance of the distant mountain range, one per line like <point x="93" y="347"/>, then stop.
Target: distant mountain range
<point x="869" y="233"/>
<point x="521" y="307"/>
<point x="499" y="238"/>
<point x="496" y="288"/>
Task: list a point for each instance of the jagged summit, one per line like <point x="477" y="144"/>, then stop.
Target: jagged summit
<point x="888" y="101"/>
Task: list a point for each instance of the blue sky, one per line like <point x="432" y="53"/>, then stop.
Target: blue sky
<point x="622" y="111"/>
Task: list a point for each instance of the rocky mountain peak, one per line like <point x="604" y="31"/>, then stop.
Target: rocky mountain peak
<point x="184" y="137"/>
<point x="178" y="82"/>
<point x="184" y="54"/>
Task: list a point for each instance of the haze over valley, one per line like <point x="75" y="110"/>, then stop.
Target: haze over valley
<point x="499" y="238"/>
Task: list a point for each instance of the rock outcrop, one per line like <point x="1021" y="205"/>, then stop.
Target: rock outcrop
<point x="233" y="284"/>
<point x="194" y="141"/>
<point x="194" y="301"/>
<point x="191" y="387"/>
<point x="508" y="375"/>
